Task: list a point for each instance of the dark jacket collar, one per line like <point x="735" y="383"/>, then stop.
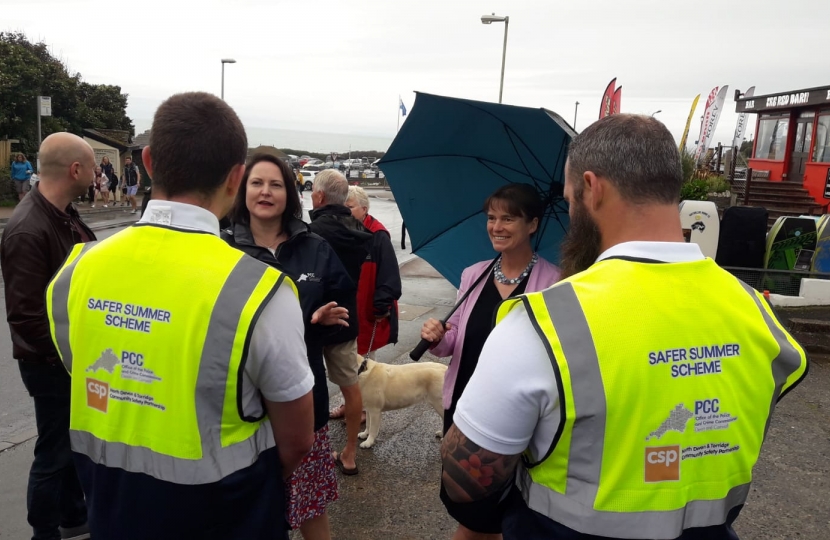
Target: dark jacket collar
<point x="51" y="210"/>
<point x="243" y="236"/>
<point x="330" y="210"/>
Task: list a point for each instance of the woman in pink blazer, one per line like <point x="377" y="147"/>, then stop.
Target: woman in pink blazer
<point x="513" y="215"/>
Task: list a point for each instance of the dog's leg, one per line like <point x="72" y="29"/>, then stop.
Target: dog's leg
<point x="438" y="404"/>
<point x="372" y="426"/>
<point x="363" y="435"/>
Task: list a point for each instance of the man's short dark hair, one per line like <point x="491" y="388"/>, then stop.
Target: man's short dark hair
<point x="195" y="141"/>
<point x="635" y="153"/>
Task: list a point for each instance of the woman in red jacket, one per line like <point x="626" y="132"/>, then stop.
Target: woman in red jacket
<point x="380" y="282"/>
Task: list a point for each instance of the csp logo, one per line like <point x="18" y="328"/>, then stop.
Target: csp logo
<point x="97" y="394"/>
<point x="662" y="464"/>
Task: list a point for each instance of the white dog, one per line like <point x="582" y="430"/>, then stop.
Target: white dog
<point x="386" y="388"/>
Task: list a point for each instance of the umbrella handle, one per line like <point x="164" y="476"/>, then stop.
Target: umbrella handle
<point x="419" y="351"/>
<point x="423" y="345"/>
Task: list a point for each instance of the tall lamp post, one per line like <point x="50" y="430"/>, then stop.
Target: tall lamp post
<point x="489" y="19"/>
<point x="656" y="112"/>
<point x="225" y="61"/>
<point x="576" y="110"/>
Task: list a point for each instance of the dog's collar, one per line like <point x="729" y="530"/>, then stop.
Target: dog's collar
<point x="363" y="366"/>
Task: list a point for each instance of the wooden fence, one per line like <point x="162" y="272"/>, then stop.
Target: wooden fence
<point x="5" y="153"/>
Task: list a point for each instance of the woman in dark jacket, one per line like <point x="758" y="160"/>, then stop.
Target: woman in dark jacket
<point x="266" y="224"/>
<point x="106" y="168"/>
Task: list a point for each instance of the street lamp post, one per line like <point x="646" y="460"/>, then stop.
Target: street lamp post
<point x="225" y="61"/>
<point x="576" y="110"/>
<point x="656" y="112"/>
<point x="489" y="19"/>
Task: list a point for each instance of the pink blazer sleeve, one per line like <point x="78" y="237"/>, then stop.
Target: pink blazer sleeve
<point x="446" y="346"/>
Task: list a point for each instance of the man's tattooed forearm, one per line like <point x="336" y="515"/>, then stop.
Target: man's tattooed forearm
<point x="472" y="473"/>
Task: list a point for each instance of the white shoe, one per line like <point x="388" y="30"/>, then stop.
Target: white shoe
<point x="133" y="212"/>
<point x="93" y="206"/>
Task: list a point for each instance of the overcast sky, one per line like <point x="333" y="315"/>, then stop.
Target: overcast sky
<point x="339" y="65"/>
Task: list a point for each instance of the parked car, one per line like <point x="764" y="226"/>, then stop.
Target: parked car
<point x="314" y="162"/>
<point x="354" y="163"/>
<point x="308" y="178"/>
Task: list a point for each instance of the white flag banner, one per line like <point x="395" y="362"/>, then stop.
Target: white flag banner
<point x="707" y="113"/>
<point x="710" y="122"/>
<point x="738" y="139"/>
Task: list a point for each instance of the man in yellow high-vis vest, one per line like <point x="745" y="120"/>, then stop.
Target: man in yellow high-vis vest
<point x="631" y="399"/>
<point x="191" y="390"/>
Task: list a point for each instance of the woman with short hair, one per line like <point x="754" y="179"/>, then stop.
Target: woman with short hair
<point x="379" y="288"/>
<point x="514" y="213"/>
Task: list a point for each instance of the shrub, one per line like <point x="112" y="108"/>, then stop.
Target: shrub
<point x="7" y="191"/>
<point x="695" y="190"/>
<point x="718" y="184"/>
<point x="687" y="159"/>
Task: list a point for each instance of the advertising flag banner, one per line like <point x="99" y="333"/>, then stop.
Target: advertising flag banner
<point x="607" y="99"/>
<point x="689" y="123"/>
<point x="741" y="127"/>
<point x="707" y="115"/>
<point x="617" y="101"/>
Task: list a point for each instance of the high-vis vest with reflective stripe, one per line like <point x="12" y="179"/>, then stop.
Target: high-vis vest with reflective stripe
<point x="667" y="376"/>
<point x="154" y="326"/>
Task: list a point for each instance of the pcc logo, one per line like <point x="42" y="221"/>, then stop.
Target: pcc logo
<point x="97" y="394"/>
<point x="663" y="463"/>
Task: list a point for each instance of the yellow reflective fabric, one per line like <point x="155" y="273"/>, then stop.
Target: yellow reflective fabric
<point x="683" y="380"/>
<point x="147" y="360"/>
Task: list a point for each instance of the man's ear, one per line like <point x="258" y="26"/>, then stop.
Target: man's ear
<point x="235" y="179"/>
<point x="594" y="190"/>
<point x="147" y="159"/>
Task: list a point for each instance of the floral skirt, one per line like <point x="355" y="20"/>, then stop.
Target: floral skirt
<point x="313" y="486"/>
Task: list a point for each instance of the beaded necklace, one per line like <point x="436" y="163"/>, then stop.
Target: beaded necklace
<point x="500" y="277"/>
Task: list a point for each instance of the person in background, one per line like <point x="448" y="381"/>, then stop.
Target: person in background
<point x="300" y="182"/>
<point x="513" y="216"/>
<point x="21" y="173"/>
<point x="267" y="225"/>
<point x="101" y="187"/>
<point x="105" y="190"/>
<point x="379" y="288"/>
<point x="619" y="415"/>
<point x="37" y="239"/>
<point x="350" y="241"/>
<point x="195" y="389"/>
<point x="107" y="169"/>
<point x="91" y="190"/>
<point x="131" y="180"/>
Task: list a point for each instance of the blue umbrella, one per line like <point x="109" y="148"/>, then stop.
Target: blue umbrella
<point x="451" y="154"/>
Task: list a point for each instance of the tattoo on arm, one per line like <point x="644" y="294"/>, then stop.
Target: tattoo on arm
<point x="472" y="473"/>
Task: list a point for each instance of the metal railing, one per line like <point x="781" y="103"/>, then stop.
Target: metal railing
<point x="784" y="282"/>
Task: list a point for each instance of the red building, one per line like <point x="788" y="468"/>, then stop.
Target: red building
<point x="792" y="138"/>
